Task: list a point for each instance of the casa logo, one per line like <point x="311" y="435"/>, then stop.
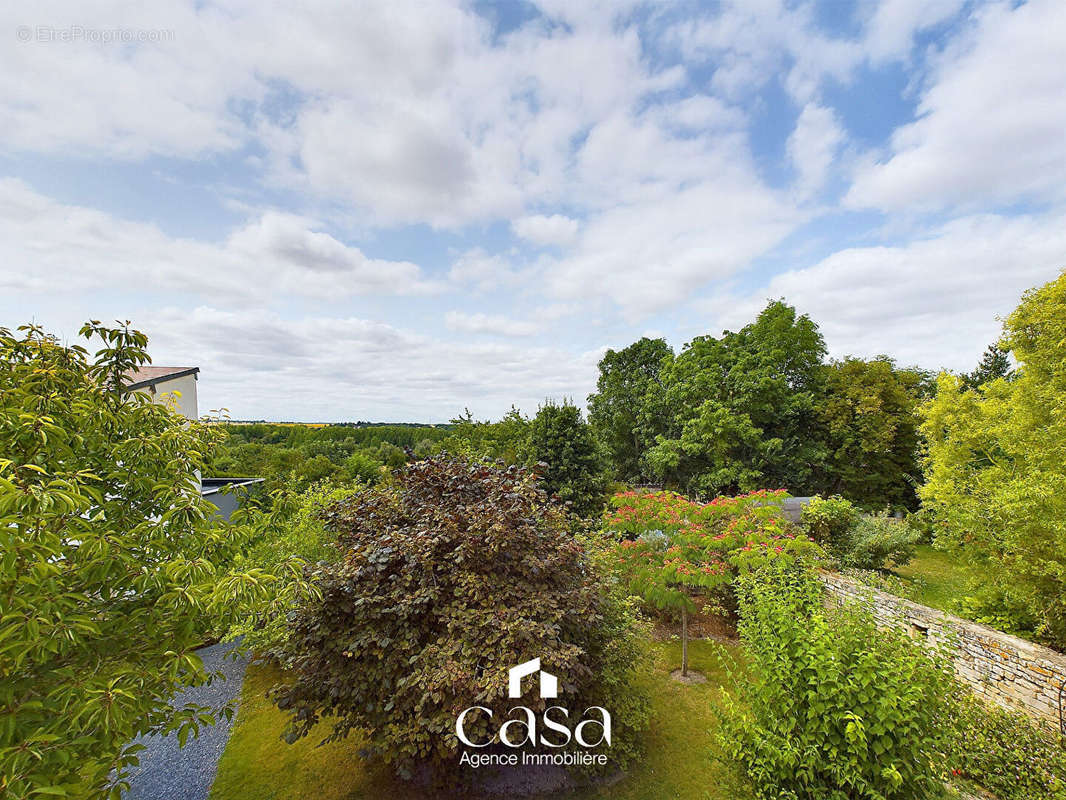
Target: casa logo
<point x="521" y="728"/>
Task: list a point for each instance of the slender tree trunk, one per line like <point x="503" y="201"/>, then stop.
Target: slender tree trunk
<point x="684" y="642"/>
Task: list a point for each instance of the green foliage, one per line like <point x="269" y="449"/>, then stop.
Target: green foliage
<point x="363" y="467"/>
<point x="835" y="708"/>
<point x="859" y="541"/>
<point x="290" y="535"/>
<point x="995" y="363"/>
<point x="561" y="441"/>
<point x="506" y="440"/>
<point x="995" y="476"/>
<point x="617" y="408"/>
<point x="829" y="522"/>
<point x="112" y="564"/>
<point x="871" y="424"/>
<point x="877" y="540"/>
<point x="292" y="457"/>
<point x="737" y="412"/>
<point x="1005" y="752"/>
<point x="450" y="577"/>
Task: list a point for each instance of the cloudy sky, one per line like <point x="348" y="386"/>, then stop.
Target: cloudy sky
<point x="393" y="210"/>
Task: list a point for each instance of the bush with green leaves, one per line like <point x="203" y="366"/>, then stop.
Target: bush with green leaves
<point x="1005" y="752"/>
<point x="289" y="535"/>
<point x="856" y="540"/>
<point x="829" y="521"/>
<point x="830" y="706"/>
<point x="112" y="568"/>
<point x="449" y="577"/>
<point x="878" y="540"/>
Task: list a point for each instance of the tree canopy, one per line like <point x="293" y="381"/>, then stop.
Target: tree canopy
<point x="736" y="412"/>
<point x="617" y="409"/>
<point x="113" y="567"/>
<point x="995" y="473"/>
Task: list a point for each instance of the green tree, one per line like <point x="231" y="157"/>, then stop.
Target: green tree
<point x="995" y="473"/>
<point x="560" y="439"/>
<point x="617" y="408"/>
<point x="995" y="363"/>
<point x="870" y="415"/>
<point x="739" y="411"/>
<point x="507" y="440"/>
<point x="112" y="568"/>
<point x="363" y="467"/>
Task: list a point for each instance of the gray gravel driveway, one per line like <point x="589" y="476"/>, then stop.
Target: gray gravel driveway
<point x="167" y="772"/>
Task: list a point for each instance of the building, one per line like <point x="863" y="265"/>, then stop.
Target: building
<point x="176" y="386"/>
<point x="166" y="385"/>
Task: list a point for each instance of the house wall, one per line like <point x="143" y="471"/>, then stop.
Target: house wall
<point x="186" y="385"/>
<point x="999" y="667"/>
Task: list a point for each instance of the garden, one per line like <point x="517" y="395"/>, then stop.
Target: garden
<point x="396" y="613"/>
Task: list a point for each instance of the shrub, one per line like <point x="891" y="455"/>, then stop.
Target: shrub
<point x="112" y="564"/>
<point x="829" y="522"/>
<point x="290" y="534"/>
<point x="879" y="539"/>
<point x="833" y="707"/>
<point x="1005" y="752"/>
<point x="449" y="577"/>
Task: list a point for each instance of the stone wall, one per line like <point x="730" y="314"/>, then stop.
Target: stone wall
<point x="1001" y="668"/>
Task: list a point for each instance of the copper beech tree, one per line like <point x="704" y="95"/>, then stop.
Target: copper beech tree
<point x="450" y="576"/>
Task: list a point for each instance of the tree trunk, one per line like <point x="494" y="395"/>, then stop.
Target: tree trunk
<point x="684" y="642"/>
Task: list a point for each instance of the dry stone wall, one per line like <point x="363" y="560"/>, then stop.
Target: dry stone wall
<point x="999" y="667"/>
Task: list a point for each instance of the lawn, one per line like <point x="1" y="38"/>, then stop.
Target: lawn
<point x="678" y="763"/>
<point x="937" y="578"/>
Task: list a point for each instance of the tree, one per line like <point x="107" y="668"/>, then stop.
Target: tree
<point x="617" y="407"/>
<point x="995" y="477"/>
<point x="674" y="547"/>
<point x="995" y="363"/>
<point x="112" y="568"/>
<point x="507" y="440"/>
<point x="870" y="415"/>
<point x="449" y="577"/>
<point x="563" y="442"/>
<point x="739" y="411"/>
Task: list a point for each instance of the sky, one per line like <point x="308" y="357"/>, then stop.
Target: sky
<point x="394" y="211"/>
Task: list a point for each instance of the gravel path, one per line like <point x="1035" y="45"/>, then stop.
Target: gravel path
<point x="167" y="772"/>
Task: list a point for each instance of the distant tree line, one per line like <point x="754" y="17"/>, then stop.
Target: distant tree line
<point x="296" y="456"/>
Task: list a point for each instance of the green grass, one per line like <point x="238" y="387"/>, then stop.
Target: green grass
<point x="937" y="578"/>
<point x="678" y="763"/>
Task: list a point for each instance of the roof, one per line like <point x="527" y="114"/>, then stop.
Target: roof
<point x="209" y="486"/>
<point x="143" y="377"/>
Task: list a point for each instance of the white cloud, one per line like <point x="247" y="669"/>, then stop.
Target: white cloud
<point x="546" y="230"/>
<point x="46" y="246"/>
<point x="489" y="323"/>
<point x="991" y="122"/>
<point x="933" y="302"/>
<point x="813" y="146"/>
<point x="891" y="29"/>
<point x="482" y="271"/>
<point x="259" y="364"/>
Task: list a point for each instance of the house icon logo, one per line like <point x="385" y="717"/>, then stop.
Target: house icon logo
<point x="549" y="684"/>
<point x="521" y="729"/>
